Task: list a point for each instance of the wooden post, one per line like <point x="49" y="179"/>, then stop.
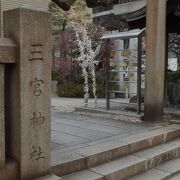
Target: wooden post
<point x="29" y="92"/>
<point x="155" y="59"/>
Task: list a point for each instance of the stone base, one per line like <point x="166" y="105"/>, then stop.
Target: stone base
<point x="10" y="172"/>
<point x="117" y="115"/>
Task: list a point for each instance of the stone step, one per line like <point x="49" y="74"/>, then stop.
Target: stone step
<point x="118" y="115"/>
<point x="49" y="177"/>
<point x="91" y="156"/>
<point x="130" y="165"/>
<point x="175" y="177"/>
<point x="167" y="170"/>
<point x="174" y="121"/>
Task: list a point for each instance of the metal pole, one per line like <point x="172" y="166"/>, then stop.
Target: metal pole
<point x="107" y="73"/>
<point x="139" y="74"/>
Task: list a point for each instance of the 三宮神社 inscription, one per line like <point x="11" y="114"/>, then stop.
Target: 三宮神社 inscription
<point x="31" y="90"/>
<point x="36" y="154"/>
<point x="36" y="83"/>
<point x="36" y="52"/>
<point x="37" y="119"/>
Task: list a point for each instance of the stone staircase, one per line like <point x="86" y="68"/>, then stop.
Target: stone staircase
<point x="151" y="155"/>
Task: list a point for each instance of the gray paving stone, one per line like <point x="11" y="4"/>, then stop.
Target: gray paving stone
<point x="155" y="151"/>
<point x="49" y="177"/>
<point x="77" y="146"/>
<point x="106" y="129"/>
<point x="101" y="147"/>
<point x="67" y="162"/>
<point x="172" y="166"/>
<point x="66" y="139"/>
<point x="60" y="158"/>
<point x="153" y="174"/>
<point x="121" y="168"/>
<point x="159" y="154"/>
<point x="62" y="150"/>
<point x="56" y="145"/>
<point x="163" y="131"/>
<point x="83" y="175"/>
<point x="70" y="122"/>
<point x="175" y="177"/>
<point x="80" y="132"/>
<point x="73" y="116"/>
<point x="103" y="152"/>
<point x="176" y="141"/>
<point x="94" y="146"/>
<point x="115" y="137"/>
<point x="161" y="172"/>
<point x="133" y="127"/>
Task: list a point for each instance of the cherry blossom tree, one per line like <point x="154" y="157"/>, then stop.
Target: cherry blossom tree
<point x="87" y="60"/>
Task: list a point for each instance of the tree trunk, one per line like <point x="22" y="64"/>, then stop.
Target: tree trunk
<point x="86" y="87"/>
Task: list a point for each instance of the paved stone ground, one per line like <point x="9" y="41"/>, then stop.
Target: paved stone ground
<point x="68" y="104"/>
<point x="71" y="130"/>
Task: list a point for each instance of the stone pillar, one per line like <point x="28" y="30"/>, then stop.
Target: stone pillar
<point x="155" y="59"/>
<point x="2" y="120"/>
<point x="7" y="56"/>
<point x="28" y="85"/>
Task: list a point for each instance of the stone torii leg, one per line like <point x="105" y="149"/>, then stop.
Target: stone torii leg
<point x="155" y="59"/>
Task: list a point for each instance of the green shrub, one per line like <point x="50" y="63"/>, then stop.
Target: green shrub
<point x="70" y="89"/>
<point x="173" y="76"/>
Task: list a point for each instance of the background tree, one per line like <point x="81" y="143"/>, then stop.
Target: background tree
<point x="78" y="14"/>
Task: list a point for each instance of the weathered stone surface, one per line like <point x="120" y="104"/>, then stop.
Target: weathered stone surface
<point x="10" y="171"/>
<point x="121" y="168"/>
<point x="151" y="175"/>
<point x="172" y="166"/>
<point x="103" y="152"/>
<point x="29" y="92"/>
<point x="83" y="175"/>
<point x="8" y="51"/>
<point x="155" y="59"/>
<point x="49" y="177"/>
<point x="68" y="162"/>
<point x="175" y="177"/>
<point x="154" y="137"/>
<point x="163" y="171"/>
<point x="160" y="154"/>
<point x="54" y="87"/>
<point x="112" y="148"/>
<point x="132" y="165"/>
<point x="2" y="119"/>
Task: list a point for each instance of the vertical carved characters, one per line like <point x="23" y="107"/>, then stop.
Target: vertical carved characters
<point x="36" y="52"/>
<point x="37" y="120"/>
<point x="36" y="154"/>
<point x="36" y="83"/>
